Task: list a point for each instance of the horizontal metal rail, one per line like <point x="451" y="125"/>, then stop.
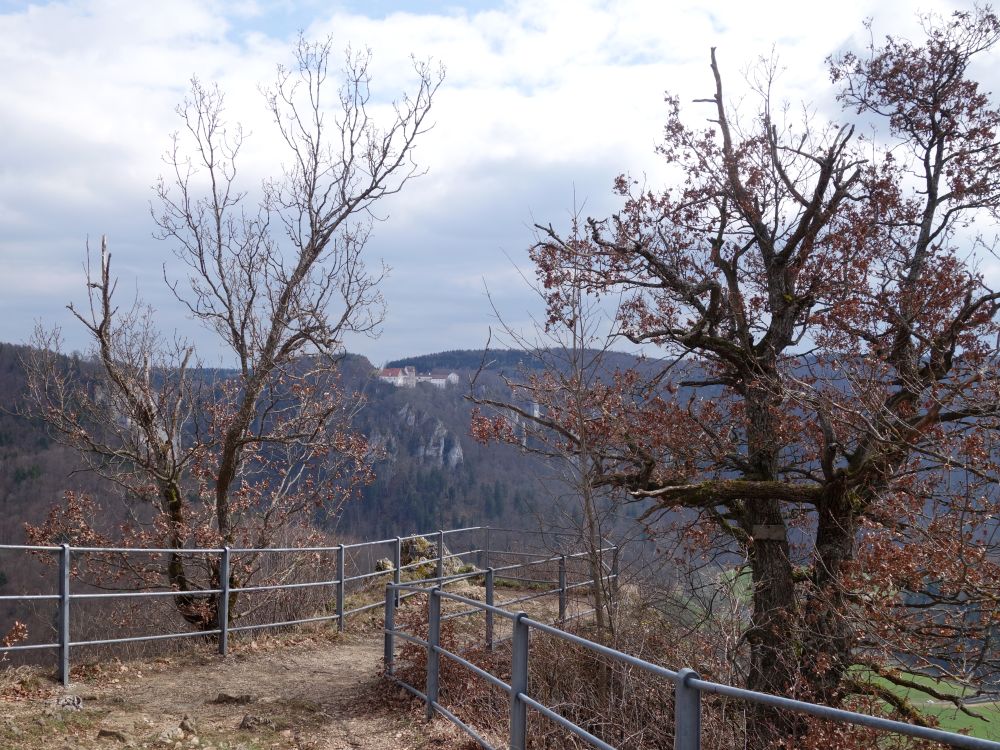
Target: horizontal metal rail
<point x="407" y="637"/>
<point x="687" y="684"/>
<point x="461" y="613"/>
<point x="234" y="550"/>
<point x="602" y="649"/>
<point x="849" y="717"/>
<point x="414" y="536"/>
<point x="28" y="548"/>
<point x="462" y="530"/>
<point x="221" y="561"/>
<point x="151" y="550"/>
<point x="461" y="725"/>
<point x="138" y="638"/>
<point x="409" y="688"/>
<point x="418" y="564"/>
<point x="515" y="553"/>
<point x="28" y="597"/>
<point x="453" y="555"/>
<point x="528" y="598"/>
<point x="365" y="608"/>
<point x="31" y="647"/>
<point x="143" y="594"/>
<point x="522" y="579"/>
<point x="565" y="723"/>
<point x="493" y="680"/>
<point x="285" y="623"/>
<point x="538" y="532"/>
<point x="366" y="576"/>
<point x="282" y="586"/>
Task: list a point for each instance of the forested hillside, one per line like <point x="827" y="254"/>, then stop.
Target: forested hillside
<point x="34" y="470"/>
<point x="429" y="471"/>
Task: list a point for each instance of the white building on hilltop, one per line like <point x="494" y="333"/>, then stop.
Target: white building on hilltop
<point x="401" y="377"/>
<point x="408" y="377"/>
<point x="439" y="378"/>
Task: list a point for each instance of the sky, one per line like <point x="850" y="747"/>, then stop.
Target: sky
<point x="544" y="103"/>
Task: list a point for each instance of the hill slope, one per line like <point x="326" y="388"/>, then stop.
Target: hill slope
<point x="431" y="473"/>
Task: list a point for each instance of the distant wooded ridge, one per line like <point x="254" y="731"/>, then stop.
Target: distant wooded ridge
<point x="494" y="359"/>
<point x="467" y="359"/>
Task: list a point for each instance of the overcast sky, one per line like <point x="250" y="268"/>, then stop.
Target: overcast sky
<point x="544" y="100"/>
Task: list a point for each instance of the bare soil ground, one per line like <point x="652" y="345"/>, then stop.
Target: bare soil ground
<point x="310" y="689"/>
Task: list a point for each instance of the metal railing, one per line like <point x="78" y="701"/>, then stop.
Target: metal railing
<point x="688" y="686"/>
<point x="68" y="554"/>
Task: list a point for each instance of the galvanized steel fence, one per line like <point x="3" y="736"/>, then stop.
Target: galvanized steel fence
<point x="67" y="555"/>
<point x="688" y="686"/>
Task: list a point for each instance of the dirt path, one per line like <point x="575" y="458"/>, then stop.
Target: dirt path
<point x="317" y="691"/>
<point x="312" y="689"/>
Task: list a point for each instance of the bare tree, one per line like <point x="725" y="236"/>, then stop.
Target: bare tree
<point x="241" y="458"/>
<point x="549" y="410"/>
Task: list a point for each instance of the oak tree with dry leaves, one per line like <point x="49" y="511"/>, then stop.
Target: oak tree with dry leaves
<point x="826" y="412"/>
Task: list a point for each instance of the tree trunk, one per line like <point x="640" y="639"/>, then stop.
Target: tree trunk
<point x="828" y="641"/>
<point x="595" y="561"/>
<point x="200" y="611"/>
<point x="772" y="634"/>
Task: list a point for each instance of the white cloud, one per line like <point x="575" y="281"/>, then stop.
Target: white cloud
<point x="543" y="98"/>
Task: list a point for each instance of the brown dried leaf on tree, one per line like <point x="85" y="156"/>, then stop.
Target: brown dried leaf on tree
<point x="827" y="407"/>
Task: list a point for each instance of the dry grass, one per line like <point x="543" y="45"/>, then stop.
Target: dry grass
<point x="620" y="704"/>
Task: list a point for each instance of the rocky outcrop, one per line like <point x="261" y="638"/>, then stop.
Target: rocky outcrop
<point x="420" y="555"/>
<point x="432" y="447"/>
<point x="407" y="416"/>
<point x="454" y="456"/>
<point x="425" y="437"/>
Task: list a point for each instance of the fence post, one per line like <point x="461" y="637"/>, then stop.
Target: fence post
<point x="687" y="712"/>
<point x="433" y="657"/>
<point x="223" y="609"/>
<point x="519" y="684"/>
<point x="390" y="625"/>
<point x="486" y="549"/>
<point x="340" y="588"/>
<point x="440" y="554"/>
<point x="489" y="612"/>
<point x="562" y="588"/>
<point x="397" y="557"/>
<point x="64" y="615"/>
